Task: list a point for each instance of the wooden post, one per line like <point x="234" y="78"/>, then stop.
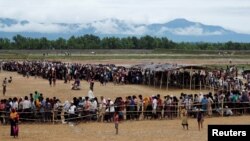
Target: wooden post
<point x="213" y="90"/>
<point x="190" y="79"/>
<point x="205" y="83"/>
<point x="154" y="79"/>
<point x="200" y="85"/>
<point x="222" y="107"/>
<point x="194" y="85"/>
<point x="178" y="110"/>
<point x="62" y="116"/>
<point x="149" y="78"/>
<point x="144" y="81"/>
<point x="161" y="79"/>
<point x="53" y="116"/>
<point x="183" y="82"/>
<point x="230" y="87"/>
<point x="167" y="79"/>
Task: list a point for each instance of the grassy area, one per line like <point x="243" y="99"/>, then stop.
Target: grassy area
<point x="121" y="54"/>
<point x="128" y="51"/>
<point x="215" y="52"/>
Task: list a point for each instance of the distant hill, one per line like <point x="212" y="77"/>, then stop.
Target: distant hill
<point x="179" y="30"/>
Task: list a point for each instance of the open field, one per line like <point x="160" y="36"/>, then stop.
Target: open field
<point x="147" y="130"/>
<point x="155" y="130"/>
<point x="128" y="57"/>
<point x="122" y="54"/>
<point x="23" y="86"/>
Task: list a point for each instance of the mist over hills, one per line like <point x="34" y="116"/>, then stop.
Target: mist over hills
<point x="178" y="30"/>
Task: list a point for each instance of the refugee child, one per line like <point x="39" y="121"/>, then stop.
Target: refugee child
<point x="200" y="119"/>
<point x="116" y="120"/>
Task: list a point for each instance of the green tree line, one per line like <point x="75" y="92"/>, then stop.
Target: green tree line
<point x="95" y="42"/>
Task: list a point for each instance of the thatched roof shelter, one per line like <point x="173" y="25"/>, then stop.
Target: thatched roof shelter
<point x="161" y="73"/>
<point x="166" y="67"/>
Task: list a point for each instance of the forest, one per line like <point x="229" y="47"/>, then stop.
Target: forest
<point x="95" y="42"/>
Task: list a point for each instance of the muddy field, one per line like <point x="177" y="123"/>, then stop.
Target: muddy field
<point x="157" y="130"/>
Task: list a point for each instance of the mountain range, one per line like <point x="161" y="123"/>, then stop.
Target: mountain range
<point x="178" y="30"/>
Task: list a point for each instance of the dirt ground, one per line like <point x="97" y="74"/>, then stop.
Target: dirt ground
<point x="129" y="130"/>
<point x="157" y="130"/>
<point x="22" y="86"/>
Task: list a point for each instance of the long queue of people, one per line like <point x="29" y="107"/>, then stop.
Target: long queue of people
<point x="37" y="108"/>
<point x="226" y="79"/>
<point x="71" y="71"/>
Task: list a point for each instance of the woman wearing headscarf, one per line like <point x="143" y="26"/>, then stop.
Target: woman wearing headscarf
<point x="14" y="118"/>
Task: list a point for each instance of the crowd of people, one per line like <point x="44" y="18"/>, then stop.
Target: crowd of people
<point x="227" y="78"/>
<point x="231" y="98"/>
<point x="36" y="107"/>
<point x="74" y="71"/>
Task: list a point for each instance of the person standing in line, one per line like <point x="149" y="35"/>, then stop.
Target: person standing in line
<point x="91" y="93"/>
<point x="200" y="119"/>
<point x="102" y="111"/>
<point x="154" y="104"/>
<point x="4" y="86"/>
<point x="116" y="121"/>
<point x="140" y="105"/>
<point x="14" y="118"/>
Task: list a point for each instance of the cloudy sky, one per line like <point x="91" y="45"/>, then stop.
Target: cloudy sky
<point x="231" y="14"/>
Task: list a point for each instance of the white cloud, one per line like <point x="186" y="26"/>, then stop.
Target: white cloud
<point x="105" y="27"/>
<point x="194" y="30"/>
<point x="140" y="30"/>
<point x="35" y="27"/>
<point x="232" y="14"/>
<point x="110" y="26"/>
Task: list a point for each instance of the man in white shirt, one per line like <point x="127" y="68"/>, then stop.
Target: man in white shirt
<point x="93" y="108"/>
<point x="102" y="109"/>
<point x="15" y="104"/>
<point x="154" y="104"/>
<point x="66" y="106"/>
<point x="91" y="94"/>
<point x="71" y="111"/>
<point x="110" y="109"/>
<point x="26" y="104"/>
